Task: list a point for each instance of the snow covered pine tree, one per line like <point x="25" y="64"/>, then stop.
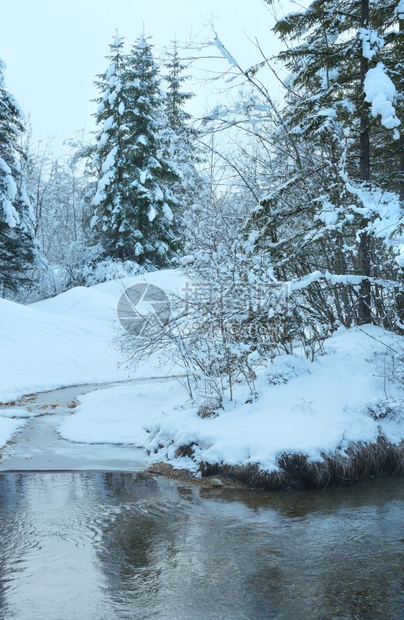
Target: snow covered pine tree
<point x="134" y="205"/>
<point x="182" y="150"/>
<point x="17" y="248"/>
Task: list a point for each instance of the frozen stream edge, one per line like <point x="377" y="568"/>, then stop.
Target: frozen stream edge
<point x="39" y="447"/>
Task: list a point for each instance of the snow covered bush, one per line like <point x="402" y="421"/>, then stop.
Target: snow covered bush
<point x="326" y="166"/>
<point x="231" y="317"/>
<point x="84" y="266"/>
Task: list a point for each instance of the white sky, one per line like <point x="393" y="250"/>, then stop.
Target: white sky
<point x="54" y="48"/>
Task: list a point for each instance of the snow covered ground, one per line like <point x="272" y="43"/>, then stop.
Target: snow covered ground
<point x="67" y="339"/>
<point x="304" y="407"/>
<point x="346" y="395"/>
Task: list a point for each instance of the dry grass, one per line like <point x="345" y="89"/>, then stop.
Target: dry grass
<point x="249" y="475"/>
<point x="185" y="451"/>
<point x="297" y="472"/>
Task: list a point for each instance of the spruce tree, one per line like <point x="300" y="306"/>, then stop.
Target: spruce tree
<point x="345" y="89"/>
<point x="17" y="247"/>
<point x="109" y="156"/>
<point x="134" y="205"/>
<point x="176" y="98"/>
<point x="182" y="149"/>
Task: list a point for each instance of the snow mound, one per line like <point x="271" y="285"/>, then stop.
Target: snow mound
<point x="316" y="408"/>
<point x="80" y="302"/>
<point x="41" y="351"/>
<point x="167" y="279"/>
<point x="68" y="339"/>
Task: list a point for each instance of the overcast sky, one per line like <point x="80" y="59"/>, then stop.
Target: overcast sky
<point x="54" y="48"/>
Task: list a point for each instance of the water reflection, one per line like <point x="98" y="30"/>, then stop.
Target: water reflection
<point x="122" y="546"/>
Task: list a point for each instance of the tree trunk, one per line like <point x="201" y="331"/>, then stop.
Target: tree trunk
<point x="364" y="172"/>
<point x="401" y="146"/>
<point x="401" y="157"/>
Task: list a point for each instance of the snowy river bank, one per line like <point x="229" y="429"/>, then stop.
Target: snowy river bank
<point x="336" y="419"/>
<point x="38" y="446"/>
<point x="112" y="430"/>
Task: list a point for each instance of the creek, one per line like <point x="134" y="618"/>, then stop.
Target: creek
<point x="122" y="545"/>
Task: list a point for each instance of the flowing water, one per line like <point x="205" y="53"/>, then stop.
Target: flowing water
<point x="95" y="546"/>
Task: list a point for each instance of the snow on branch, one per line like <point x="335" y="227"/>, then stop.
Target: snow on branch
<point x="372" y="42"/>
<point x="400" y="10"/>
<point x="108" y="168"/>
<point x="380" y="208"/>
<point x="381" y="93"/>
<point x="225" y="53"/>
<point x="317" y="276"/>
<point x="6" y="197"/>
